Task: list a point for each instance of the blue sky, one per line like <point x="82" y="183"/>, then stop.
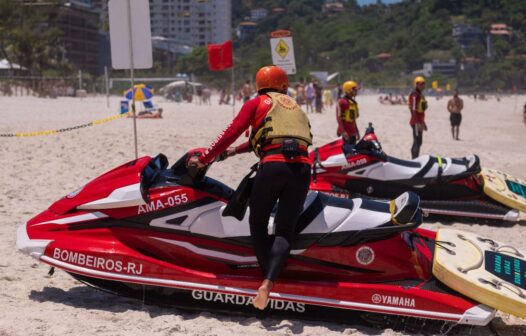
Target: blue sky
<point x="367" y="2"/>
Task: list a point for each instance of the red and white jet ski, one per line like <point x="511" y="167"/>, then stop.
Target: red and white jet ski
<point x="447" y="186"/>
<point x="152" y="232"/>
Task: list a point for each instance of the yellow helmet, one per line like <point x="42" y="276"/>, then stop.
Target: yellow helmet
<point x="418" y="80"/>
<point x="348" y="86"/>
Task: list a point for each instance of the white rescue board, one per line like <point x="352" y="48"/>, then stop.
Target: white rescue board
<point x="484" y="270"/>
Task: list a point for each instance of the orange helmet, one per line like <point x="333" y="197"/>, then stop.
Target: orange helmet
<point x="272" y="77"/>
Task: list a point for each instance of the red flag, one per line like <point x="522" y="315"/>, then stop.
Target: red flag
<point x="220" y="56"/>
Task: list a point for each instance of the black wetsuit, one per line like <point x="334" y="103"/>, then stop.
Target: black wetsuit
<point x="288" y="183"/>
<point x="417" y="142"/>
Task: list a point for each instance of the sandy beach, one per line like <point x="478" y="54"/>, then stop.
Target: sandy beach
<point x="36" y="171"/>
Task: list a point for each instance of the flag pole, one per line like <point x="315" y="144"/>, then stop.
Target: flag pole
<point x="130" y="44"/>
<point x="107" y="86"/>
<point x="233" y="93"/>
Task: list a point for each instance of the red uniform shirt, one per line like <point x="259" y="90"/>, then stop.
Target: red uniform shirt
<point x="417" y="106"/>
<point x="251" y="115"/>
<point x="347" y="126"/>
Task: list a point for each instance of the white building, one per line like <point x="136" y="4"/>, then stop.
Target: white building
<point x="258" y="14"/>
<point x="446" y="68"/>
<point x="192" y="22"/>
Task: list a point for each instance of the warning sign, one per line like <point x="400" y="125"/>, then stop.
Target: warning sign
<point x="283" y="51"/>
<point x="282" y="48"/>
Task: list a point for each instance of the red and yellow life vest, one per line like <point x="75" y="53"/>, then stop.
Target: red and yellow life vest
<point x="285" y="119"/>
<point x="351" y="113"/>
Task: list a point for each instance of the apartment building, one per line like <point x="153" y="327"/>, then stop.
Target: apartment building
<point x="192" y="22"/>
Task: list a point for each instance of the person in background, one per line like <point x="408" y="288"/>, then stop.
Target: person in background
<point x="280" y="136"/>
<point x="347" y="112"/>
<point x="455" y="106"/>
<point x="310" y="96"/>
<point x="300" y="93"/>
<point x="207" y="94"/>
<point x="222" y="96"/>
<point x="417" y="106"/>
<point x="327" y="98"/>
<point x="199" y="95"/>
<point x="318" y="96"/>
<point x="247" y="91"/>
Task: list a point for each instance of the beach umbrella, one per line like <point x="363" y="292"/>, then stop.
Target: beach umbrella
<point x="140" y="92"/>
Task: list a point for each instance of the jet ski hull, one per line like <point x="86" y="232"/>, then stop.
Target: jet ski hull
<point x="235" y="304"/>
<point x="116" y="268"/>
<point x="155" y="231"/>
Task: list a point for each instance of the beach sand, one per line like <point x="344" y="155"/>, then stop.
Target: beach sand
<point x="36" y="171"/>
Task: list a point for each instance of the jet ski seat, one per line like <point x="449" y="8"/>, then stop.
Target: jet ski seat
<point x="405" y="208"/>
<point x="428" y="169"/>
<point x="406" y="216"/>
<point x="333" y="221"/>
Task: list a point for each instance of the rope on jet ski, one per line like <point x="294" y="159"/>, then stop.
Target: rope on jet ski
<point x="61" y="130"/>
<point x="438" y="243"/>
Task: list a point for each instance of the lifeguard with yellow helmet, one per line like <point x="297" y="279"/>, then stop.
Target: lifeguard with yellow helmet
<point x="417" y="106"/>
<point x="347" y="112"/>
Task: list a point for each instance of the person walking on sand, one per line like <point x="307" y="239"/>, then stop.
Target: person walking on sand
<point x="455" y="106"/>
<point x="347" y="113"/>
<point x="280" y="136"/>
<point x="417" y="107"/>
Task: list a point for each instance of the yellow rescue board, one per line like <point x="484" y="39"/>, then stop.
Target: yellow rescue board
<point x="504" y="188"/>
<point x="484" y="270"/>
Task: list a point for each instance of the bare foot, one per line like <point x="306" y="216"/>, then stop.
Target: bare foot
<point x="261" y="299"/>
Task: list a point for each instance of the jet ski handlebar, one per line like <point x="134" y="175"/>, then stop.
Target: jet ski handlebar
<point x="190" y="174"/>
<point x="369" y="144"/>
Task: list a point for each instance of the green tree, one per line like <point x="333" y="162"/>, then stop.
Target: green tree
<point x="33" y="43"/>
<point x="7" y="9"/>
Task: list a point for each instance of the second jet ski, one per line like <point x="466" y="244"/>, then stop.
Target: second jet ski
<point x="456" y="187"/>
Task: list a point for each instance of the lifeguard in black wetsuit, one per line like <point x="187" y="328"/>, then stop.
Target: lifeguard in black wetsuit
<point x="280" y="135"/>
